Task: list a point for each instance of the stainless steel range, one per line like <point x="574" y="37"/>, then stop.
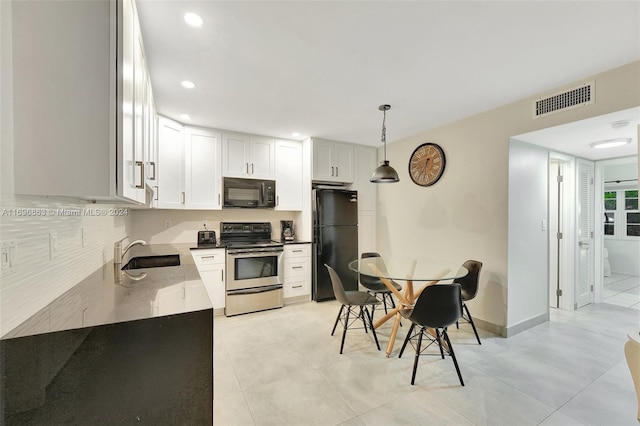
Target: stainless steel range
<point x="254" y="267"/>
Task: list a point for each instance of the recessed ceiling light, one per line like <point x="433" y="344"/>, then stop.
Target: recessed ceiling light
<point x="185" y="117"/>
<point x="295" y="134"/>
<point x="193" y="19"/>
<point x="188" y="84"/>
<point x="610" y="143"/>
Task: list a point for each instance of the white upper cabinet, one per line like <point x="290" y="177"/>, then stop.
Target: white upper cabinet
<point x="79" y="73"/>
<point x="332" y="161"/>
<point x="203" y="177"/>
<point x="288" y="175"/>
<point x="248" y="156"/>
<point x="189" y="174"/>
<point x="170" y="192"/>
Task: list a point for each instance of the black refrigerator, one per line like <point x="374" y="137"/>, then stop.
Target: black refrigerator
<point x="335" y="240"/>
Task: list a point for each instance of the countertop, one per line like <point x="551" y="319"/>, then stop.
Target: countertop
<point x="110" y="295"/>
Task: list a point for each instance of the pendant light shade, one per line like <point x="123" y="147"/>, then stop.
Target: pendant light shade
<point x="384" y="173"/>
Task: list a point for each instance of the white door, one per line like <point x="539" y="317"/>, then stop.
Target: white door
<point x="585" y="220"/>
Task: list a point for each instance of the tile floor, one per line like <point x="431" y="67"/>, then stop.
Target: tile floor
<point x="622" y="290"/>
<point x="282" y="367"/>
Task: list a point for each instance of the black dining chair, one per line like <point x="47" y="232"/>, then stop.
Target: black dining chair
<point x="377" y="288"/>
<point x="438" y="307"/>
<point x="356" y="303"/>
<point x="469" y="289"/>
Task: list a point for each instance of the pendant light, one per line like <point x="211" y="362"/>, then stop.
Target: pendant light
<point x="384" y="173"/>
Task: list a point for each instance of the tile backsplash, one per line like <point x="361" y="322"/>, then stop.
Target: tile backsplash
<point x="182" y="226"/>
<point x="37" y="279"/>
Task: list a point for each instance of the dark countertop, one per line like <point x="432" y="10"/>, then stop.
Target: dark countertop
<point x="109" y="296"/>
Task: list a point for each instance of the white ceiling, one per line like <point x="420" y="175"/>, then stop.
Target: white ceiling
<point x="323" y="68"/>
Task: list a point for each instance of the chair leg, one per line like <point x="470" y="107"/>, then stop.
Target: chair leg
<point x="453" y="355"/>
<point x="438" y="337"/>
<point x="464" y="305"/>
<point x="344" y="332"/>
<point x="373" y="330"/>
<point x="337" y="319"/>
<point x="415" y="362"/>
<point x="406" y="340"/>
<point x="384" y="302"/>
<point x="364" y="321"/>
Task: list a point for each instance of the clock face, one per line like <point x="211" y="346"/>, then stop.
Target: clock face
<point x="426" y="164"/>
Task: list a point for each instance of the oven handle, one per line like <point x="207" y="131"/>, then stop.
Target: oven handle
<point x="256" y="252"/>
<point x="254" y="290"/>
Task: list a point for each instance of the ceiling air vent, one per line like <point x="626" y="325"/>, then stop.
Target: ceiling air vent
<point x="562" y="101"/>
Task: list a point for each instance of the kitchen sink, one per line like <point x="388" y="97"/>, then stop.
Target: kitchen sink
<point x="152" y="261"/>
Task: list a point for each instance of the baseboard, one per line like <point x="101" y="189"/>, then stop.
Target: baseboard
<point x="489" y="326"/>
<point x="526" y="324"/>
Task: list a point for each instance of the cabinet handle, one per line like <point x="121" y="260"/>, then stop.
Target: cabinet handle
<point x="296" y="251"/>
<point x="251" y="168"/>
<point x="183" y="197"/>
<point x="218" y="199"/>
<point x="153" y="164"/>
<point x="297" y="286"/>
<point x="222" y="275"/>
<point x="337" y="172"/>
<point x="296" y="267"/>
<point x="332" y="170"/>
<point x="141" y="164"/>
<point x="277" y="200"/>
<point x="157" y="191"/>
<point x="247" y="167"/>
<point x="84" y="317"/>
<point x="208" y="257"/>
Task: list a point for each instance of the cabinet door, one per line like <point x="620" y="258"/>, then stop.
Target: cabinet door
<point x="343" y="162"/>
<point x="170" y="192"/>
<point x="235" y="154"/>
<point x="202" y="167"/>
<point x="323" y="168"/>
<point x="288" y="175"/>
<point x="262" y="159"/>
<point x="126" y="173"/>
<point x="213" y="279"/>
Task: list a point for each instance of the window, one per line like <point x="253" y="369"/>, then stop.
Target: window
<point x="621" y="205"/>
<point x="632" y="213"/>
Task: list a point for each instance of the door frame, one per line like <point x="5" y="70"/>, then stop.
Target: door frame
<point x="567" y="251"/>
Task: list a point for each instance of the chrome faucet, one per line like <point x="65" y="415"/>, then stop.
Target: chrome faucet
<point x="118" y="253"/>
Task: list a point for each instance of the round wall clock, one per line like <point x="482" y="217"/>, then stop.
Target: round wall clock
<point x="426" y="164"/>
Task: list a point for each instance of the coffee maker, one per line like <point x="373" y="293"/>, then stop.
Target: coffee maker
<point x="288" y="234"/>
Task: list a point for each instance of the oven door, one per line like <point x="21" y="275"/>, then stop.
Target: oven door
<point x="254" y="267"/>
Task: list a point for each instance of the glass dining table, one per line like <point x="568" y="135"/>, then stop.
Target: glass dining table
<point x="410" y="270"/>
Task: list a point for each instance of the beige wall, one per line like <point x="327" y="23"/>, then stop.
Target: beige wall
<point x="465" y="215"/>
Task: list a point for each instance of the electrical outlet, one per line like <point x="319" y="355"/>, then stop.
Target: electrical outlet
<point x="9" y="256"/>
<point x="204" y="223"/>
<point x="53" y="244"/>
<point x="167" y="224"/>
<point x="84" y="237"/>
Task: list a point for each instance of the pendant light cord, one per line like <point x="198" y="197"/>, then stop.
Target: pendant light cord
<point x="384" y="133"/>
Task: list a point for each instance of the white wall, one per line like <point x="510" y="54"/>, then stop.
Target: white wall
<point x="465" y="215"/>
<point x="528" y="238"/>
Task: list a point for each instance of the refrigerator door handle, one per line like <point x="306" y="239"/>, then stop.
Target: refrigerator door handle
<point x="319" y="240"/>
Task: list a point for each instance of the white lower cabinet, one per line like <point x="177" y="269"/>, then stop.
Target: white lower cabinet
<point x="297" y="271"/>
<point x="211" y="264"/>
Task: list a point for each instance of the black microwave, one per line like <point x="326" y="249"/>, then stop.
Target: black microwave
<point x="249" y="193"/>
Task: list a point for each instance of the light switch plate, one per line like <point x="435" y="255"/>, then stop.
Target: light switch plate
<point x="8" y="256"/>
